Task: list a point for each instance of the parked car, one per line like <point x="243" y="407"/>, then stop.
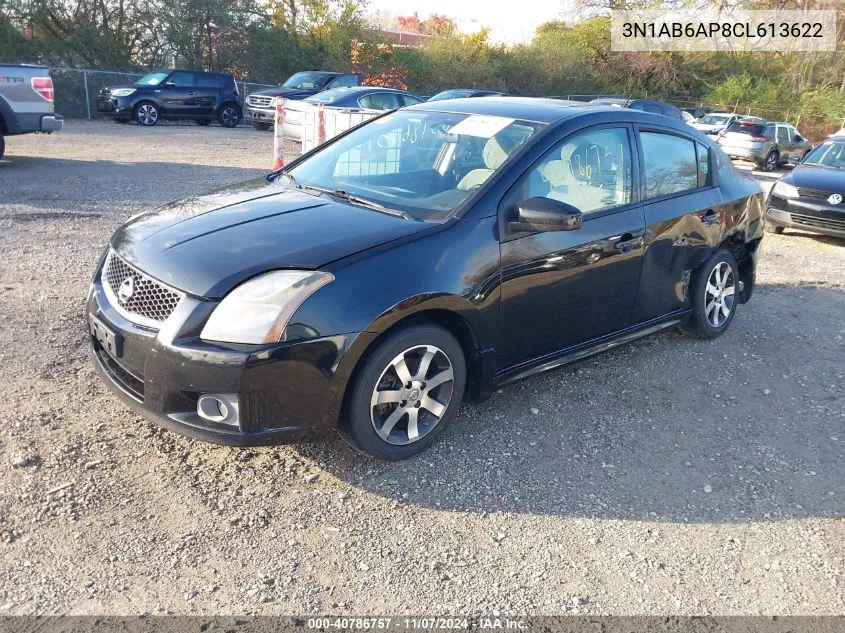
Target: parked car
<point x="687" y="117"/>
<point x="767" y="144"/>
<point x="363" y="97"/>
<point x="174" y="95"/>
<point x="715" y="123"/>
<point x="26" y="102"/>
<point x="646" y="105"/>
<point x="261" y="105"/>
<point x="697" y="112"/>
<point x="380" y="280"/>
<point x="463" y="93"/>
<point x="811" y="196"/>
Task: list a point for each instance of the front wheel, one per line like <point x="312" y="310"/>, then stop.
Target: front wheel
<point x="713" y="295"/>
<point x="408" y="389"/>
<point x="773" y="228"/>
<point x="146" y="114"/>
<point x="229" y="115"/>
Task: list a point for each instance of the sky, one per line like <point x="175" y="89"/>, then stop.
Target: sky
<point x="509" y="22"/>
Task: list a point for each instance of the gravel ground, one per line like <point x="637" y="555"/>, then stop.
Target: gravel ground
<point x="671" y="476"/>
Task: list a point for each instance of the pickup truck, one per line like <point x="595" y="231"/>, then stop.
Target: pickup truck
<point x="26" y="101"/>
<point x="261" y="105"/>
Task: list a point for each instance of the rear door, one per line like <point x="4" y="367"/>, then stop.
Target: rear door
<point x="208" y="89"/>
<point x="683" y="216"/>
<point x="561" y="289"/>
<point x="178" y="93"/>
<point x="785" y="142"/>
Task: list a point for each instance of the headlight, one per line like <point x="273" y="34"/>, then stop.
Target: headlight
<point x="258" y="310"/>
<point x="122" y="92"/>
<point x="785" y="190"/>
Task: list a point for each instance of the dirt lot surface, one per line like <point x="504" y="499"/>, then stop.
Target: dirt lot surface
<point x="670" y="476"/>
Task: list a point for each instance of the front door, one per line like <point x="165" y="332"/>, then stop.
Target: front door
<point x="178" y="93"/>
<point x="564" y="288"/>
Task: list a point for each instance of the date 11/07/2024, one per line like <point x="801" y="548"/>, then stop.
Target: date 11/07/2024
<point x="420" y="623"/>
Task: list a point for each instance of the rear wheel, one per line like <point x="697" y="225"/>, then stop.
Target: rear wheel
<point x="146" y="113"/>
<point x="771" y="161"/>
<point x="229" y="115"/>
<point x="408" y="389"/>
<point x="713" y="295"/>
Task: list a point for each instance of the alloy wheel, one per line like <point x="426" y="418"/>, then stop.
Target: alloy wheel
<point x="147" y="114"/>
<point x="719" y="295"/>
<point x="412" y="395"/>
<point x="771" y="161"/>
<point x="229" y="117"/>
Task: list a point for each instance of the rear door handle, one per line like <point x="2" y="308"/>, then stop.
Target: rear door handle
<point x="628" y="242"/>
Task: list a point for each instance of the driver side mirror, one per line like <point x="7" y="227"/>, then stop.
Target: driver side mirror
<point x="797" y="138"/>
<point x="546" y="214"/>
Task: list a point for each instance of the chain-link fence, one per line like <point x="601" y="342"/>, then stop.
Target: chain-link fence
<point x="77" y="88"/>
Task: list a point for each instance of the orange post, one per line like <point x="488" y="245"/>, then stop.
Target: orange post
<point x="279" y="136"/>
<point x="321" y="124"/>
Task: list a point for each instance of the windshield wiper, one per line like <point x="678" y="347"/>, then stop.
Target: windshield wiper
<point x="362" y="202"/>
<point x="291" y="178"/>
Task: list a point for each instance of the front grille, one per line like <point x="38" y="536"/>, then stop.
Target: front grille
<point x="143" y="296"/>
<point x="259" y="101"/>
<point x="813" y="194"/>
<point x="818" y="223"/>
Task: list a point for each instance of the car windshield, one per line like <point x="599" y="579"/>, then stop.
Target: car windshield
<point x="305" y="81"/>
<point x="328" y="96"/>
<point x="451" y="94"/>
<point x="828" y="154"/>
<point x="716" y="119"/>
<point x="751" y="130"/>
<point x="153" y="79"/>
<point x="423" y="164"/>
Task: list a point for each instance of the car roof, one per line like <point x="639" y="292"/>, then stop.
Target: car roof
<point x="356" y="89"/>
<point x="544" y="110"/>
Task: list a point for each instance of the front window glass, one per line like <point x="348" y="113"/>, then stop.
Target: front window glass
<point x="591" y="171"/>
<point x="423" y="163"/>
<point x="152" y="79"/>
<point x="305" y="81"/>
<point x="828" y="154"/>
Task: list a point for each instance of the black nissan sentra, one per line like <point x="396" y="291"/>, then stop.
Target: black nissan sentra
<point x="812" y="196"/>
<point x="417" y="262"/>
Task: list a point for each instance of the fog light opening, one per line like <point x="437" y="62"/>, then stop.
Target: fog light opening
<point x="219" y="408"/>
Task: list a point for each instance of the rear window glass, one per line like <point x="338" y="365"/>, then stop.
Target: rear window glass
<point x="209" y="81"/>
<point x="751" y="130"/>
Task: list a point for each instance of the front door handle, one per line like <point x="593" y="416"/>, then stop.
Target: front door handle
<point x="628" y="242"/>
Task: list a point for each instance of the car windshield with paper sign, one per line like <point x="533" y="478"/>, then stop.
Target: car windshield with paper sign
<point x="424" y="164"/>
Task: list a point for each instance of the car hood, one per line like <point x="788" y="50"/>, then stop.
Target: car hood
<point x="817" y="178"/>
<point x="287" y="93"/>
<point x="118" y="86"/>
<point x="206" y="245"/>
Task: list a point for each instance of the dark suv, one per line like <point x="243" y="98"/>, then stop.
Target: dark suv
<point x="174" y="94"/>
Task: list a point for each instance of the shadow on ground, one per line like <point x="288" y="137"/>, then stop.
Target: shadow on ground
<point x="748" y="427"/>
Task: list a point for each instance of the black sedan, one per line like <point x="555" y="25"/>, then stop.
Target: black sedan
<point x="416" y="262"/>
<point x="812" y="196"/>
<point x="463" y="93"/>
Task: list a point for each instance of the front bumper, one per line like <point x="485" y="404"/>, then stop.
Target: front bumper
<point x="815" y="217"/>
<point x="260" y="115"/>
<point x="287" y="392"/>
<point x="118" y="107"/>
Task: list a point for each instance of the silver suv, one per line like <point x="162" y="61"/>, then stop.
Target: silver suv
<point x="26" y="101"/>
<point x="767" y="144"/>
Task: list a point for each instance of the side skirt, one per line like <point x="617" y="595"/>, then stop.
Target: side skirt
<point x="595" y="346"/>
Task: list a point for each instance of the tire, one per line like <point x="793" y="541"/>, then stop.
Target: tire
<point x="203" y="122"/>
<point x="2" y="146"/>
<point x="771" y="161"/>
<point x="261" y="127"/>
<point x="229" y="115"/>
<point x="706" y="321"/>
<point x="146" y="114"/>
<point x="398" y="437"/>
<point x="772" y="228"/>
